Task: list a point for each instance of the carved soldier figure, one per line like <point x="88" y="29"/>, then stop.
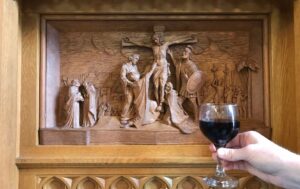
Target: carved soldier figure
<point x="128" y="68"/>
<point x="72" y="107"/>
<point x="159" y="48"/>
<point x="184" y="70"/>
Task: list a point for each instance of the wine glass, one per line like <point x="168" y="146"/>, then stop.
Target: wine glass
<point x="219" y="123"/>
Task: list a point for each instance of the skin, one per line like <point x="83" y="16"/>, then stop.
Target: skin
<point x="259" y="156"/>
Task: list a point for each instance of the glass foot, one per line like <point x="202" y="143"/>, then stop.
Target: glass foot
<point x="221" y="182"/>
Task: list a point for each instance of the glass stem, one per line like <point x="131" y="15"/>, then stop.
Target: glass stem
<point x="220" y="172"/>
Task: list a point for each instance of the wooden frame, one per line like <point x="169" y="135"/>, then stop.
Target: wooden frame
<point x="32" y="58"/>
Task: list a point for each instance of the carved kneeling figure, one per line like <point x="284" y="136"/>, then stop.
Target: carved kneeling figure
<point x="175" y="114"/>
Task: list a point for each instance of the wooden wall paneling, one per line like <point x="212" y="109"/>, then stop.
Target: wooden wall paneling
<point x="30" y="80"/>
<point x="9" y="87"/>
<point x="297" y="65"/>
<point x="282" y="85"/>
<point x="282" y="92"/>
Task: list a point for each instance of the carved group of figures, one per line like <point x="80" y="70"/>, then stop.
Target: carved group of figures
<point x="154" y="95"/>
<point x="138" y="108"/>
<point x="219" y="90"/>
<point x="81" y="106"/>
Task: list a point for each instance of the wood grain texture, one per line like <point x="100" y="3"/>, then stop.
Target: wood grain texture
<point x="29" y="80"/>
<point x="9" y="87"/>
<point x="297" y="64"/>
<point x="282" y="85"/>
<point x="148" y="6"/>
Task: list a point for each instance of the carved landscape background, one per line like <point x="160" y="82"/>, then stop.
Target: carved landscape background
<point x="92" y="50"/>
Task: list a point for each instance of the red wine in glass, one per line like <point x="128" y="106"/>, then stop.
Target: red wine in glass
<point x="220" y="124"/>
<point x="220" y="131"/>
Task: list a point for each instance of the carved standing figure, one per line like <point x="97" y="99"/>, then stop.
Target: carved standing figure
<point x="219" y="84"/>
<point x="144" y="107"/>
<point x="128" y="68"/>
<point x="89" y="105"/>
<point x="159" y="49"/>
<point x="72" y="107"/>
<point x="241" y="101"/>
<point x="184" y="70"/>
<point x="228" y="95"/>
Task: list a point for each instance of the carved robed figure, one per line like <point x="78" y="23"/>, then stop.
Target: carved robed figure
<point x="138" y="109"/>
<point x="144" y="107"/>
<point x="128" y="68"/>
<point x="89" y="105"/>
<point x="72" y="106"/>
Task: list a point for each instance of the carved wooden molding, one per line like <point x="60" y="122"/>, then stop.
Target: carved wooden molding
<point x="136" y="182"/>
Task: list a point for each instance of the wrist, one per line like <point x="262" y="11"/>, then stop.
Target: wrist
<point x="290" y="177"/>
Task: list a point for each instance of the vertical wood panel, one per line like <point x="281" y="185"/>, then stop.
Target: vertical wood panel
<point x="30" y="79"/>
<point x="282" y="85"/>
<point x="297" y="65"/>
<point x="9" y="98"/>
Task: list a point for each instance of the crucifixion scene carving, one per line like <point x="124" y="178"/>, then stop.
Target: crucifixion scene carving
<point x="117" y="80"/>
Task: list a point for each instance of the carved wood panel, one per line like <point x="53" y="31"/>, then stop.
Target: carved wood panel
<point x="231" y="54"/>
<point x="134" y="182"/>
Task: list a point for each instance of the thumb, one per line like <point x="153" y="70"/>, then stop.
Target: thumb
<point x="231" y="154"/>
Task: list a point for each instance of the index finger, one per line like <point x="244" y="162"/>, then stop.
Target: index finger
<point x="236" y="142"/>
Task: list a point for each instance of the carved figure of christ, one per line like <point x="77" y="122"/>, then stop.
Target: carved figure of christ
<point x="159" y="48"/>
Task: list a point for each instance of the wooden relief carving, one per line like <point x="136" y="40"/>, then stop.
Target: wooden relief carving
<point x="254" y="182"/>
<point x="189" y="183"/>
<point x="128" y="182"/>
<point x="54" y="183"/>
<point x="123" y="82"/>
<point x="158" y="183"/>
<point x="88" y="183"/>
<point x="122" y="182"/>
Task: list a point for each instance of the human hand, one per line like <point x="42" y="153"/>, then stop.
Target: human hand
<point x="259" y="156"/>
<point x="170" y="52"/>
<point x="132" y="84"/>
